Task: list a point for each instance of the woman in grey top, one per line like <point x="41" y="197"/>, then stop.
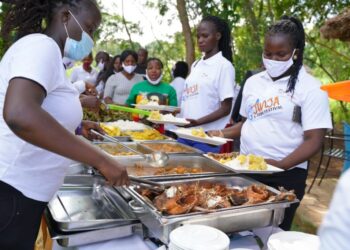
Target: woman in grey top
<point x="118" y="86"/>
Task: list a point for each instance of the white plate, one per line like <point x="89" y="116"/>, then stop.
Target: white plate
<point x="127" y="125"/>
<point x="293" y="240"/>
<point x="157" y="107"/>
<point x="186" y="134"/>
<point x="178" y="122"/>
<point x="239" y="168"/>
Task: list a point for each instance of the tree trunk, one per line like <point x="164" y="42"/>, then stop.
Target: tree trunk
<point x="186" y="30"/>
<point x="248" y="7"/>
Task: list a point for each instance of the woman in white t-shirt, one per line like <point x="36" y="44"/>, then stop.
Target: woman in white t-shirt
<point x="40" y="110"/>
<point x="285" y="113"/>
<point x="85" y="72"/>
<point x="209" y="89"/>
<point x="119" y="85"/>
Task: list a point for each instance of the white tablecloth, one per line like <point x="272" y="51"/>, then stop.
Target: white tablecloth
<point x="241" y="241"/>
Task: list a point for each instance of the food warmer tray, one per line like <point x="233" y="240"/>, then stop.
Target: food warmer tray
<point x="132" y="145"/>
<point x="77" y="238"/>
<point x="84" y="207"/>
<point x="190" y="150"/>
<point x="228" y="220"/>
<point x="136" y="166"/>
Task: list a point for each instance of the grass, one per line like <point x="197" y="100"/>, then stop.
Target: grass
<point x="301" y="225"/>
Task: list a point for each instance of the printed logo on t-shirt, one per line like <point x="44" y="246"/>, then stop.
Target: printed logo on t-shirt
<point x="190" y="91"/>
<point x="161" y="99"/>
<point x="265" y="107"/>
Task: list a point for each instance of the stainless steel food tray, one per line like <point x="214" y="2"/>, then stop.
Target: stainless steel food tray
<point x="137" y="166"/>
<point x="228" y="220"/>
<point x="87" y="208"/>
<point x="120" y="148"/>
<point x="190" y="150"/>
<point x="72" y="239"/>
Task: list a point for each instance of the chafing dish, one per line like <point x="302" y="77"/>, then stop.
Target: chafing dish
<point x="89" y="207"/>
<point x="72" y="239"/>
<point x="136" y="166"/>
<point x="121" y="149"/>
<point x="188" y="149"/>
<point x="231" y="219"/>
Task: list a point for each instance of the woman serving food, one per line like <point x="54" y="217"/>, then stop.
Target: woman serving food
<point x="285" y="113"/>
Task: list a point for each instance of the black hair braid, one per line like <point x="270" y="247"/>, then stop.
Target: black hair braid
<point x="26" y="17"/>
<point x="292" y="27"/>
<point x="225" y="42"/>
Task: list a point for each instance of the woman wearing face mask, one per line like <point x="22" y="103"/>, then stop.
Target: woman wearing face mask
<point x="40" y="110"/>
<point x="114" y="67"/>
<point x="153" y="89"/>
<point x="85" y="72"/>
<point x="118" y="86"/>
<point x="285" y="113"/>
<point x="209" y="89"/>
<point x="102" y="59"/>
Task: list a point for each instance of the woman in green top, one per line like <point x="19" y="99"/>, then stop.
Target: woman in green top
<point x="153" y="89"/>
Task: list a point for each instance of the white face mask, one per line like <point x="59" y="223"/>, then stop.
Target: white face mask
<point x="276" y="68"/>
<point x="100" y="65"/>
<point x="129" y="68"/>
<point x="155" y="82"/>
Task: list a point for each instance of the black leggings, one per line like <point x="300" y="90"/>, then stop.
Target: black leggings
<point x="19" y="219"/>
<point x="290" y="179"/>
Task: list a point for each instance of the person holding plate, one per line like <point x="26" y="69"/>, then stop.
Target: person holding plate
<point x="285" y="113"/>
<point x="208" y="93"/>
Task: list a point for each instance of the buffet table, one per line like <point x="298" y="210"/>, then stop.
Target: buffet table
<point x="87" y="214"/>
<point x="239" y="241"/>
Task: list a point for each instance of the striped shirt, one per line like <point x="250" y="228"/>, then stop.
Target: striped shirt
<point x="118" y="87"/>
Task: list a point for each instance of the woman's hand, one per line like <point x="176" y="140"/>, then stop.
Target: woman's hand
<point x="193" y="123"/>
<point x="90" y="89"/>
<point x="91" y="102"/>
<point x="275" y="163"/>
<point x="115" y="173"/>
<point x="87" y="126"/>
<point x="217" y="133"/>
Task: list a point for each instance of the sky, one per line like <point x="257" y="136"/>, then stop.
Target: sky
<point x="153" y="25"/>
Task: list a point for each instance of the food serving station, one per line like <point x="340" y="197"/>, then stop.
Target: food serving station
<point x="191" y="189"/>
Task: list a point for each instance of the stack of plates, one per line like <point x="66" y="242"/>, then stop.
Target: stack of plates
<point x="198" y="237"/>
<point x="293" y="240"/>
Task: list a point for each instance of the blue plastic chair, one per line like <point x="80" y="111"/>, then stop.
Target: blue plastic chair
<point x="346" y="146"/>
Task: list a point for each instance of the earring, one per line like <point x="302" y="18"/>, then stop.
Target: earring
<point x="295" y="57"/>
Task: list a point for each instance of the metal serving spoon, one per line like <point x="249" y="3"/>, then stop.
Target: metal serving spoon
<point x="156" y="159"/>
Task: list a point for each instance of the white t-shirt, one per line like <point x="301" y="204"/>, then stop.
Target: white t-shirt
<point x="269" y="130"/>
<point x="211" y="81"/>
<point x="79" y="74"/>
<point x="334" y="231"/>
<point x="178" y="84"/>
<point x="34" y="171"/>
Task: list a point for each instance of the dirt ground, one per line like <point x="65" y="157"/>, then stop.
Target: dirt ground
<point x="315" y="204"/>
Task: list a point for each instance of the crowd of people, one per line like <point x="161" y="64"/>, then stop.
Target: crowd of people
<point x="283" y="114"/>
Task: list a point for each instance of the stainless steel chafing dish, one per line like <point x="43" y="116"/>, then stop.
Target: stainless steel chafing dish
<point x="121" y="149"/>
<point x="231" y="219"/>
<point x="85" y="211"/>
<point x="136" y="166"/>
<point x="189" y="150"/>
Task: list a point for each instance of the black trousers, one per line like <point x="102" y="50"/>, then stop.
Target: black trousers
<point x="290" y="179"/>
<point x="19" y="219"/>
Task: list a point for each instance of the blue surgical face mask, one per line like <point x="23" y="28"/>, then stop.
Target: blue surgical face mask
<point x="78" y="50"/>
